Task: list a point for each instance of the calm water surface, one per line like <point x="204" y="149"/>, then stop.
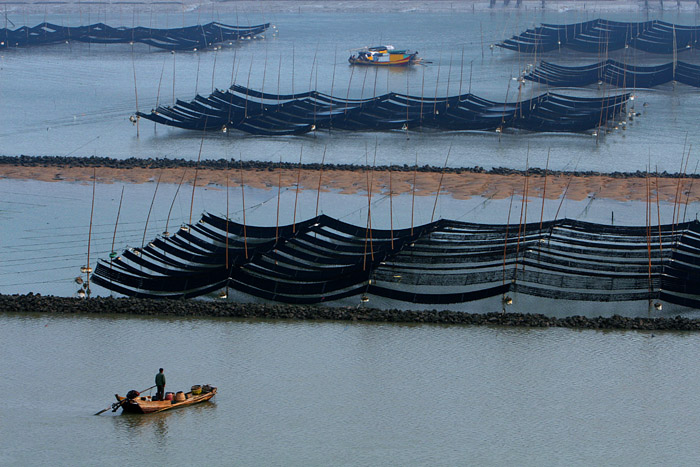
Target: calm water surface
<point x="76" y="98"/>
<point x="331" y="393"/>
<point x="317" y="393"/>
<point x="45" y="228"/>
<point x="327" y="393"/>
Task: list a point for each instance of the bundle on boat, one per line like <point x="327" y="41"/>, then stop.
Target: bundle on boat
<point x="324" y="259"/>
<point x="616" y="74"/>
<point x="601" y="35"/>
<point x="260" y="113"/>
<point x="186" y="38"/>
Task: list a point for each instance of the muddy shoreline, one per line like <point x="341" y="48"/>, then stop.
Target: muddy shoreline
<point x="426" y="180"/>
<point x="33" y="303"/>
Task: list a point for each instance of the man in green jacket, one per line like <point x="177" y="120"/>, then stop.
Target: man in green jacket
<point x="160" y="385"/>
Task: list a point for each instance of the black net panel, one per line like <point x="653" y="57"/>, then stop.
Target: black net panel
<point x="324" y="259"/>
<point x="600" y="36"/>
<point x="270" y="114"/>
<point x="186" y="38"/>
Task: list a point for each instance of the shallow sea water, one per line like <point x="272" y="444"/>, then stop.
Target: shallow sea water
<point x="46" y="235"/>
<point x="325" y="393"/>
<point x="76" y="99"/>
<point x="303" y="393"/>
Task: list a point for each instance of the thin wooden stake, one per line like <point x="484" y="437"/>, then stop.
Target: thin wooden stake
<point x="153" y="200"/>
<point x="279" y="192"/>
<point x="92" y="211"/>
<point x="505" y="243"/>
<point x="413" y="192"/>
<point x="136" y="93"/>
<point x="296" y="196"/>
<point x="245" y="232"/>
<point x="114" y="237"/>
<point x="320" y="176"/>
<point x="391" y="209"/>
<point x="442" y="175"/>
<point x="167" y="220"/>
<point x="690" y="189"/>
<point x="196" y="171"/>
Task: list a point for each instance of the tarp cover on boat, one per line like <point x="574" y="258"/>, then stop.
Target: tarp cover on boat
<point x="324" y="259"/>
<point x="261" y="113"/>
<point x="186" y="38"/>
<point x="601" y="35"/>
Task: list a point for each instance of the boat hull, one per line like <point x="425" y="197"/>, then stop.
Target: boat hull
<point x="142" y="405"/>
<point x="400" y="62"/>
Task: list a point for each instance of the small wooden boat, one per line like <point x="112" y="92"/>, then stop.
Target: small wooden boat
<point x="384" y="55"/>
<point x="135" y="403"/>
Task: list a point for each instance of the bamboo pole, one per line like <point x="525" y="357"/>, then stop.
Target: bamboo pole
<point x="173" y="52"/>
<point x="648" y="226"/>
<point x="330" y="110"/>
<point x="437" y="82"/>
<point x="196" y="171"/>
<point x="320" y="176"/>
<point x="279" y="192"/>
<point x="92" y="211"/>
<point x="505" y="243"/>
<point x="658" y="215"/>
<point x="296" y="196"/>
<point x="227" y="221"/>
<point x="527" y="196"/>
<point x="544" y="189"/>
<point x="136" y="93"/>
<point x="442" y="175"/>
<point x="461" y="72"/>
<point x="413" y="192"/>
<point x="116" y="223"/>
<point x="245" y="232"/>
<point x="690" y="189"/>
<point x="167" y="220"/>
<point x="391" y="209"/>
<point x="153" y="200"/>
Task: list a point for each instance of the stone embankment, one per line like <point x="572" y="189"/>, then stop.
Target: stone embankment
<point x="225" y="164"/>
<point x="198" y="308"/>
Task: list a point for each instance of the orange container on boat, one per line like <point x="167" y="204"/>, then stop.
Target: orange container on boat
<point x="169" y="396"/>
<point x="179" y="396"/>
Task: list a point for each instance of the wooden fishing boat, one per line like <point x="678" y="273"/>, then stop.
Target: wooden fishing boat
<point x="135" y="403"/>
<point x="384" y="55"/>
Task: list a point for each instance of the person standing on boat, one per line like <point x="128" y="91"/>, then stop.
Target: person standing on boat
<point x="160" y="385"/>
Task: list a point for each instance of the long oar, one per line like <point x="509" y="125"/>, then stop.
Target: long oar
<point x="120" y="403"/>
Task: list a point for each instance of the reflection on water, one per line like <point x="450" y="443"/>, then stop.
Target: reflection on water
<point x="130" y="421"/>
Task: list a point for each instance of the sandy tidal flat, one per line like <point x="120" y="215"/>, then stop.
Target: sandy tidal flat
<point x="458" y="185"/>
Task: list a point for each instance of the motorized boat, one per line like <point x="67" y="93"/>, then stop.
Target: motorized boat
<point x="384" y="55"/>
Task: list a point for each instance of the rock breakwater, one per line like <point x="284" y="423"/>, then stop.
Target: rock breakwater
<point x="33" y="303"/>
<point x="228" y="164"/>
